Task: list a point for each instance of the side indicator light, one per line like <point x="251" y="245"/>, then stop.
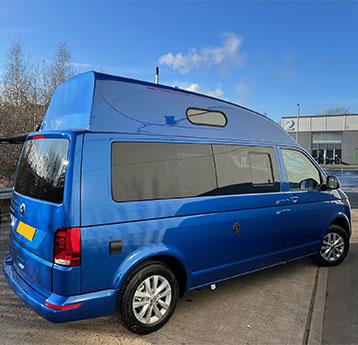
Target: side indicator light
<point x="62" y="307"/>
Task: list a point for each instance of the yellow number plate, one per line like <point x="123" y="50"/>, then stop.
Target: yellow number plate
<point x="26" y="230"/>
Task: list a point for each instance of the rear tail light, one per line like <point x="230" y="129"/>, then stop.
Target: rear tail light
<point x="67" y="247"/>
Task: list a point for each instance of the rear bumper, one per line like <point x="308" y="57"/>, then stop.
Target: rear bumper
<point x="72" y="308"/>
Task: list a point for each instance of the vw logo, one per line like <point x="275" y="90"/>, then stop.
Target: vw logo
<point x="22" y="209"/>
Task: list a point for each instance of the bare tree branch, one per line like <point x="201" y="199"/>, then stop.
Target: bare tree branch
<point x="335" y="111"/>
<point x="62" y="67"/>
<point x="25" y="93"/>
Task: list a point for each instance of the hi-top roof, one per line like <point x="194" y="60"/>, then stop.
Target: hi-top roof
<point x="104" y="103"/>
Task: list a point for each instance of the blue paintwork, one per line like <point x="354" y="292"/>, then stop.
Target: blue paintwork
<point x="71" y="105"/>
<point x="92" y="304"/>
<point x="94" y="110"/>
<point x="31" y="267"/>
<point x="103" y="103"/>
<point x="46" y="218"/>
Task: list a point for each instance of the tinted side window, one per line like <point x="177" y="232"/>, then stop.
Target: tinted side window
<point x="261" y="170"/>
<point x="245" y="169"/>
<point x="206" y="117"/>
<point x="145" y="171"/>
<point x="301" y="173"/>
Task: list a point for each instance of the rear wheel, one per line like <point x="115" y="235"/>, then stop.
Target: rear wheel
<point x="148" y="298"/>
<point x="335" y="247"/>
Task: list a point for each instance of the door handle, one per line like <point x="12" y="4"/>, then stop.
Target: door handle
<point x="294" y="198"/>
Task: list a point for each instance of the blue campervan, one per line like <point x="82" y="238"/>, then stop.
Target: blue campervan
<point x="133" y="193"/>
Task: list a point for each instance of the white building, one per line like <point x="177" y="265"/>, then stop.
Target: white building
<point x="329" y="138"/>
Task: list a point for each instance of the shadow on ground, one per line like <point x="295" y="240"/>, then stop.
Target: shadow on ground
<point x="267" y="307"/>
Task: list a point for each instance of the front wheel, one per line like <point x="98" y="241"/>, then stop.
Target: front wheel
<point x="335" y="247"/>
<point x="148" y="298"/>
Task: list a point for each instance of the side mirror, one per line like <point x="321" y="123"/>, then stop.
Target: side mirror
<point x="308" y="184"/>
<point x="332" y="182"/>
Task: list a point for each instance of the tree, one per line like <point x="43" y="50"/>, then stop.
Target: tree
<point x="15" y="78"/>
<point x="335" y="111"/>
<point x="15" y="103"/>
<point x="15" y="112"/>
<point x="25" y="93"/>
<point x="61" y="68"/>
<point x="26" y="89"/>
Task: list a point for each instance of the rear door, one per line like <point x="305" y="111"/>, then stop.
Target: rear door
<point x="40" y="206"/>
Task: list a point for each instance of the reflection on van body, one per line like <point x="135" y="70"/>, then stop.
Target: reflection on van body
<point x="134" y="193"/>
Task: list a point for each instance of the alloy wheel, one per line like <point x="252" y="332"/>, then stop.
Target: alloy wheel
<point x="152" y="299"/>
<point x="332" y="247"/>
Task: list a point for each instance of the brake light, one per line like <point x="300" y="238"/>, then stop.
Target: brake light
<point x="38" y="136"/>
<point x="67" y="247"/>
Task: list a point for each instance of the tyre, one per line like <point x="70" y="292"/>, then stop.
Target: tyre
<point x="148" y="297"/>
<point x="335" y="247"/>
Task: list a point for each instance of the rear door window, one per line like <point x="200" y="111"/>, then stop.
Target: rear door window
<point x="42" y="169"/>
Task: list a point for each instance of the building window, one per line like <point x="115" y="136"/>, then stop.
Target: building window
<point x="327" y="147"/>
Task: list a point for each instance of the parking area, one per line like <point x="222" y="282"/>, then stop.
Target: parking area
<point x="269" y="307"/>
<point x="341" y="308"/>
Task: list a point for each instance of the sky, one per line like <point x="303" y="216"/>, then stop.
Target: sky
<point x="265" y="55"/>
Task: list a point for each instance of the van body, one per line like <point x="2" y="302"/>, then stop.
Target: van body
<point x="133" y="193"/>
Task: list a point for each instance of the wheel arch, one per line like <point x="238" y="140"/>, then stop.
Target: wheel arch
<point x="177" y="268"/>
<point x="172" y="258"/>
<point x="343" y="222"/>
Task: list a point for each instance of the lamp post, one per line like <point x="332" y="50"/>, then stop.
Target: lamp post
<point x="298" y="121"/>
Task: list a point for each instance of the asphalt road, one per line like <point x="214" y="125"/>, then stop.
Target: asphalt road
<point x="266" y="307"/>
<point x="341" y="316"/>
<point x="353" y="199"/>
<point x="340" y="324"/>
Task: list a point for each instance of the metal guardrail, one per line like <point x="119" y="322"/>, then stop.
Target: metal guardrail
<point x="4" y="218"/>
<point x="6" y="193"/>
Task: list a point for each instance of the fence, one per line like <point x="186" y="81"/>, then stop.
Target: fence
<point x="5" y="197"/>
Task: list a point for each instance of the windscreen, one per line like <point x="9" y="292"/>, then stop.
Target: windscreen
<point x="42" y="169"/>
